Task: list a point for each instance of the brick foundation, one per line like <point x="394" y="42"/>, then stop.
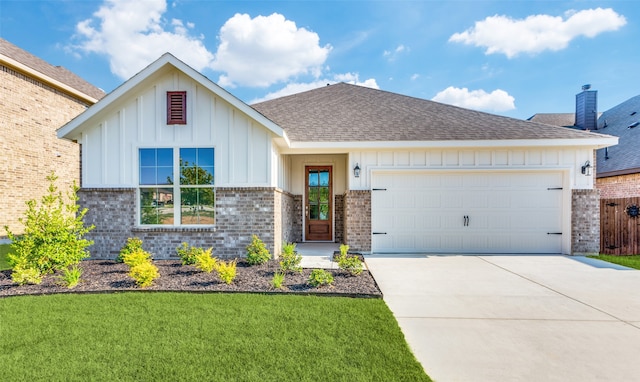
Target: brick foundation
<point x="240" y="213"/>
<point x="585" y="222"/>
<point x="357" y="220"/>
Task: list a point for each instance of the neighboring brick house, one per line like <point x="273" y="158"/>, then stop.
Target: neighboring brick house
<point x="169" y="156"/>
<point x="36" y="98"/>
<point x="618" y="167"/>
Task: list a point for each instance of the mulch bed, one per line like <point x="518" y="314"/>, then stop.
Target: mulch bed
<point x="108" y="276"/>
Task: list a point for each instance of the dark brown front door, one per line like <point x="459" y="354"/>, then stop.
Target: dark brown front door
<point x="318" y="203"/>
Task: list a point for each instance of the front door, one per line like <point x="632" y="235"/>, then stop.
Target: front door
<point x="318" y="203"/>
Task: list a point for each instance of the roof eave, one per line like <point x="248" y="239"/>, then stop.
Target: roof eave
<point x="46" y="79"/>
<point x="594" y="143"/>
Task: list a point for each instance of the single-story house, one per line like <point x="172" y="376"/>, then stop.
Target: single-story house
<point x="169" y="156"/>
<point x="36" y="98"/>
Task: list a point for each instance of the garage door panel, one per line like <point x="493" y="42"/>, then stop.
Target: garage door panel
<point x="507" y="212"/>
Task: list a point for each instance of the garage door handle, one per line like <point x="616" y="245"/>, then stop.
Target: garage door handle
<point x="554" y="233"/>
<point x="379" y="233"/>
<point x="465" y="220"/>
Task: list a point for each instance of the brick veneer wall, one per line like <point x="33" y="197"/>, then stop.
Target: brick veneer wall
<point x="338" y="208"/>
<point x="30" y="114"/>
<point x="357" y="219"/>
<point x="297" y="219"/>
<point x="622" y="186"/>
<point x="240" y="213"/>
<point x="585" y="222"/>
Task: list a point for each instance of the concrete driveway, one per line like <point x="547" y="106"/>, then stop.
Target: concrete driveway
<point x="515" y="318"/>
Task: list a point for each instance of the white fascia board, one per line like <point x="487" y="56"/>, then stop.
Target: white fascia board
<point x="595" y="143"/>
<point x="44" y="78"/>
<point x="68" y="131"/>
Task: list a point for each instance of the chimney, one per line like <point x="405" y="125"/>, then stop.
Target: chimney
<point x="587" y="109"/>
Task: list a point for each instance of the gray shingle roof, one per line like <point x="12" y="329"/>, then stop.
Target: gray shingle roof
<point x="555" y="119"/>
<point x="344" y="112"/>
<point x="625" y="156"/>
<point x="58" y="73"/>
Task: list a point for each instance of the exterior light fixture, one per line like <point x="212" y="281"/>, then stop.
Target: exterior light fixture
<point x="356" y="171"/>
<point x="586" y="168"/>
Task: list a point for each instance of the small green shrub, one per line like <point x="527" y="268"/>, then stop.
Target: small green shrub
<point x="344" y="249"/>
<point x="351" y="264"/>
<point x="133" y="244"/>
<point x="22" y="276"/>
<point x="205" y="262"/>
<point x="257" y="252"/>
<point x="144" y="273"/>
<point x="52" y="239"/>
<point x="70" y="277"/>
<point x="320" y="277"/>
<point x="289" y="259"/>
<point x="277" y="280"/>
<point x="188" y="254"/>
<point x="226" y="270"/>
<point x="136" y="257"/>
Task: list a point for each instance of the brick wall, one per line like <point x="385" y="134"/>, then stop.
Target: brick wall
<point x="357" y="219"/>
<point x="338" y="208"/>
<point x="30" y="114"/>
<point x="585" y="222"/>
<point x="622" y="186"/>
<point x="240" y="213"/>
<point x="297" y="219"/>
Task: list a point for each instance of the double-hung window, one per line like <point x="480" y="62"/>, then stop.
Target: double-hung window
<point x="176" y="186"/>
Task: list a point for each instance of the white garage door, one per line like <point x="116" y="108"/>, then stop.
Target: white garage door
<point x="467" y="212"/>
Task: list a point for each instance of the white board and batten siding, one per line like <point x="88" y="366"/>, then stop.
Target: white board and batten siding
<point x="471" y="200"/>
<point x="243" y="148"/>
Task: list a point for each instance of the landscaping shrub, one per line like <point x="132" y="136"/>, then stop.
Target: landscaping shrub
<point x="344" y="249"/>
<point x="257" y="252"/>
<point x="136" y="257"/>
<point x="133" y="244"/>
<point x="320" y="277"/>
<point x="226" y="270"/>
<point x="205" y="262"/>
<point x="70" y="276"/>
<point x="22" y="276"/>
<point x="351" y="264"/>
<point x="144" y="273"/>
<point x="290" y="259"/>
<point x="52" y="238"/>
<point x="188" y="254"/>
<point x="278" y="280"/>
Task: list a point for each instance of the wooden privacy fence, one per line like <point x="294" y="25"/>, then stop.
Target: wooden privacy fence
<point x="620" y="226"/>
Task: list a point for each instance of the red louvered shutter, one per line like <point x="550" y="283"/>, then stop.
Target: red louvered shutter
<point x="177" y="108"/>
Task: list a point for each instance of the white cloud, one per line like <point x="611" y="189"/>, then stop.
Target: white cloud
<point x="415" y="76"/>
<point x="132" y="34"/>
<point x="496" y="101"/>
<point x="266" y="50"/>
<point x="293" y="88"/>
<point x="393" y="55"/>
<point x="537" y="33"/>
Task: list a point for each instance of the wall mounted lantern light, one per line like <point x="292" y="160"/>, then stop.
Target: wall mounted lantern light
<point x="586" y="168"/>
<point x="356" y="171"/>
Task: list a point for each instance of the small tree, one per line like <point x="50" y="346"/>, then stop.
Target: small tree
<point x="52" y="238"/>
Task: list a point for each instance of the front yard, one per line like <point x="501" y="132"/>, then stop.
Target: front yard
<point x="135" y="336"/>
<point x="632" y="261"/>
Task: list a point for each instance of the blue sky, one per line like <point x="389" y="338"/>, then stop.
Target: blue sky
<point x="513" y="58"/>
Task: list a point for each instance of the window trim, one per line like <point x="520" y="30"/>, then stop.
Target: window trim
<point x="176" y="107"/>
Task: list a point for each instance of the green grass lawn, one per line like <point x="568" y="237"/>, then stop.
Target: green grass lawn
<point x="202" y="337"/>
<point x="627" y="261"/>
<point x="4" y="250"/>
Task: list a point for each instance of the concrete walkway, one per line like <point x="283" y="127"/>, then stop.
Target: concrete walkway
<point x="515" y="318"/>
<point x="317" y="254"/>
